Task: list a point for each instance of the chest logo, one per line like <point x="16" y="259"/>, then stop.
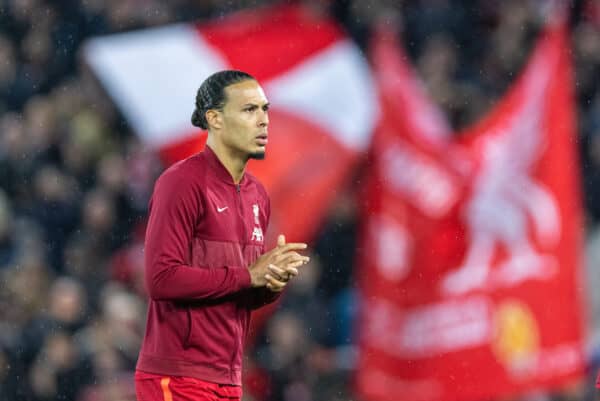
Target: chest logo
<point x="222" y="209"/>
<point x="257" y="234"/>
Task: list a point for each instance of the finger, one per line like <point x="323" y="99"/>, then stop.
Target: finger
<point x="282" y="257"/>
<point x="277" y="269"/>
<point x="288" y="248"/>
<point x="282" y="247"/>
<point x="292" y="246"/>
<point x="270" y="287"/>
<point x="274" y="284"/>
<point x="286" y="260"/>
<point x="284" y="273"/>
<point x="291" y="255"/>
<point x="278" y="273"/>
<point x="293" y="267"/>
<point x="278" y="277"/>
<point x="292" y="271"/>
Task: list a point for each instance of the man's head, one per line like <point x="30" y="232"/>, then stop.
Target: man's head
<point x="233" y="107"/>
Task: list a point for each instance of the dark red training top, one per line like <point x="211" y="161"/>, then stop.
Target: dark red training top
<point x="203" y="233"/>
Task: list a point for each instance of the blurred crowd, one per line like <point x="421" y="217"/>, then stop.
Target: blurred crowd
<point x="74" y="186"/>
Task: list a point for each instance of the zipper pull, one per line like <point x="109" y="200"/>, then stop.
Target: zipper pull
<point x="237" y="188"/>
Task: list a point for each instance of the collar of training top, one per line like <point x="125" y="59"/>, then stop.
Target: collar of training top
<point x="219" y="169"/>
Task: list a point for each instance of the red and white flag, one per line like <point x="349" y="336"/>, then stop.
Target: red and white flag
<point x="471" y="243"/>
<point x="323" y="102"/>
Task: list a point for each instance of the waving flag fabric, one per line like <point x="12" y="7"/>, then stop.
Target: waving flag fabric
<point x="471" y="242"/>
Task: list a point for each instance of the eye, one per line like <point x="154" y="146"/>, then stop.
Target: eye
<point x="266" y="107"/>
<point x="250" y="109"/>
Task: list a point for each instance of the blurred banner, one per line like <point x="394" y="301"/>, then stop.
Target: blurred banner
<point x="471" y="242"/>
<point x="323" y="103"/>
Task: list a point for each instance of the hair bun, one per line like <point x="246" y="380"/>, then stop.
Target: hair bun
<point x="196" y="120"/>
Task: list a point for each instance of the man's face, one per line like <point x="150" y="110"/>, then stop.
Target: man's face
<point x="245" y="119"/>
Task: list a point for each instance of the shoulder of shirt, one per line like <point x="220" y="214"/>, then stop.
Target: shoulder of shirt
<point x="187" y="169"/>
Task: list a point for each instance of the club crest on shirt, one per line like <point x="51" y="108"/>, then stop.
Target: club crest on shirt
<point x="257" y="235"/>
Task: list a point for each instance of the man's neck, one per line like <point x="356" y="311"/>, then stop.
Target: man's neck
<point x="233" y="163"/>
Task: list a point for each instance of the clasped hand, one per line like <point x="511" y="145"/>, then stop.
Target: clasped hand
<point x="276" y="267"/>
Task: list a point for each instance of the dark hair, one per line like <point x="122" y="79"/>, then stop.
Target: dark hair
<point x="211" y="94"/>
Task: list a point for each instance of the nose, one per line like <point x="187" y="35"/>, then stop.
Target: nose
<point x="263" y="119"/>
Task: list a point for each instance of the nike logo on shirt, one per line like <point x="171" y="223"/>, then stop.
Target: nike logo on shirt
<point x="221" y="209"/>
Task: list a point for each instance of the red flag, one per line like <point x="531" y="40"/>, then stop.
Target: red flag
<point x="323" y="101"/>
<point x="469" y="276"/>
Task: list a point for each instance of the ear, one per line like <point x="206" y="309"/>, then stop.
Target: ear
<point x="214" y="118"/>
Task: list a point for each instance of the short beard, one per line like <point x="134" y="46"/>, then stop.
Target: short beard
<point x="257" y="156"/>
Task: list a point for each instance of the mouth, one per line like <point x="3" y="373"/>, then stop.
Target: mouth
<point x="262" y="140"/>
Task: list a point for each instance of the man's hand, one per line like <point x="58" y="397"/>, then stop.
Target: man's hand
<point x="285" y="268"/>
<point x="274" y="268"/>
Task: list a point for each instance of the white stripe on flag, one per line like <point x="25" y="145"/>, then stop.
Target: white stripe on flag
<point x="153" y="76"/>
<point x="333" y="89"/>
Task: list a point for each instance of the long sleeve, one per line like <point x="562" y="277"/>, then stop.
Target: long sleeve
<point x="175" y="208"/>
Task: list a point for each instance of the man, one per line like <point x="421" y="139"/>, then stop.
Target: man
<point x="205" y="261"/>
